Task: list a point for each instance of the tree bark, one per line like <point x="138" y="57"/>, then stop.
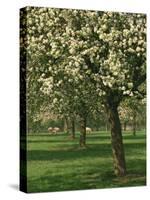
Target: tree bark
<point x="83" y="132"/>
<point x="117" y="141"/>
<point x="125" y="126"/>
<point x="107" y="126"/>
<point x="73" y="128"/>
<point x="69" y="126"/>
<point x="66" y="125"/>
<point x="134" y="123"/>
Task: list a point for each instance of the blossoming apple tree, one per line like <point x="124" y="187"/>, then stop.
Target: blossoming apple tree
<point x="83" y="58"/>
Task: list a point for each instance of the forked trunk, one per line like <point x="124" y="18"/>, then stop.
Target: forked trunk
<point x="117" y="141"/>
<point x="83" y="132"/>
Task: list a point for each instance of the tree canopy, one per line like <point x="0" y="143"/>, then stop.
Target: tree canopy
<point x="84" y="53"/>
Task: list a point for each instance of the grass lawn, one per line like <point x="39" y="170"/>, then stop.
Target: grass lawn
<point x="56" y="163"/>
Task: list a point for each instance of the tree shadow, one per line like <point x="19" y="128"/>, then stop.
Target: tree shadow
<point x="134" y="146"/>
<point x="137" y="137"/>
<point x="93" y="177"/>
<point x="78" y="179"/>
<point x="67" y="140"/>
<point x="46" y="134"/>
<point x="50" y="141"/>
<point x="72" y="151"/>
<point x="90" y="176"/>
<point x="99" y="138"/>
<point x="102" y="150"/>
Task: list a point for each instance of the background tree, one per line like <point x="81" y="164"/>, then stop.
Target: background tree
<point x="132" y="112"/>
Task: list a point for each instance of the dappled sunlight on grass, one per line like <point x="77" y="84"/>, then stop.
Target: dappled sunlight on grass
<point x="57" y="163"/>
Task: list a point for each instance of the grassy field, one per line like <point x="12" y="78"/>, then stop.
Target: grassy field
<point x="56" y="163"/>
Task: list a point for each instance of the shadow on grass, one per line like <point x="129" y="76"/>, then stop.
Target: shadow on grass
<point x="86" y="178"/>
<point x="100" y="137"/>
<point x="72" y="152"/>
<point x="77" y="179"/>
<point x="137" y="137"/>
<point x="54" y="139"/>
<point x="67" y="139"/>
<point x="92" y="175"/>
<point x="61" y="138"/>
<point x="46" y="134"/>
<point x="134" y="148"/>
<point x="136" y="166"/>
<point x="102" y="150"/>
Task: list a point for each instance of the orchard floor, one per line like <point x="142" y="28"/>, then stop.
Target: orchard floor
<point x="56" y="163"/>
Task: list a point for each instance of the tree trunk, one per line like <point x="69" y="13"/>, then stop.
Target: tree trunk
<point x="66" y="125"/>
<point x="107" y="126"/>
<point x="125" y="126"/>
<point x="73" y="128"/>
<point x="83" y="132"/>
<point x="134" y="123"/>
<point x="69" y="126"/>
<point x="117" y="141"/>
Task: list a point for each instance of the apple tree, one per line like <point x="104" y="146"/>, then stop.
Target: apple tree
<point x="83" y="58"/>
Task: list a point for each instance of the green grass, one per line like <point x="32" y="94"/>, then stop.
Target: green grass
<point x="56" y="163"/>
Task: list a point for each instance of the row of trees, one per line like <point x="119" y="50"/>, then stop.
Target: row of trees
<point x="81" y="62"/>
<point x="133" y="118"/>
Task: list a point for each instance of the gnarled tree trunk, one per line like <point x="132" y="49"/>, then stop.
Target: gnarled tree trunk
<point x="117" y="141"/>
<point x="83" y="132"/>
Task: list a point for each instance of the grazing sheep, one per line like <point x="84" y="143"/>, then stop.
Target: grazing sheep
<point x="50" y="129"/>
<point x="55" y="130"/>
<point x="88" y="130"/>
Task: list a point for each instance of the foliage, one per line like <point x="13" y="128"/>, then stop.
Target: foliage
<point x="77" y="58"/>
<point x="131" y="107"/>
